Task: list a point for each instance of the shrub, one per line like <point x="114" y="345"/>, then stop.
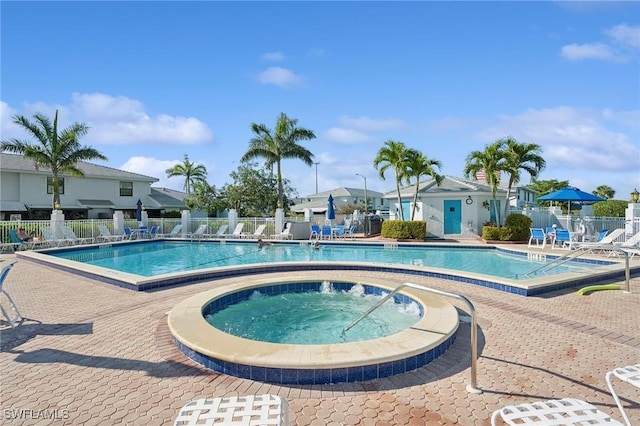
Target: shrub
<point x="519" y="225"/>
<point x="173" y="214"/>
<point x="404" y="229"/>
<point x="610" y="208"/>
<point x="516" y="229"/>
<point x="490" y="233"/>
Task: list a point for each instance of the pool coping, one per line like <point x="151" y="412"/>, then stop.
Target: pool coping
<point x="412" y="348"/>
<point x="604" y="269"/>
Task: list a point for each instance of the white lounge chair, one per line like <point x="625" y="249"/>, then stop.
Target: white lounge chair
<point x="606" y="241"/>
<point x="235" y="410"/>
<point x="70" y="235"/>
<point x="237" y="232"/>
<point x="51" y="239"/>
<point x="198" y="233"/>
<point x="553" y="412"/>
<point x="631" y="375"/>
<point x="259" y="232"/>
<point x="106" y="235"/>
<point x="175" y="232"/>
<point x="220" y="232"/>
<point x="285" y="234"/>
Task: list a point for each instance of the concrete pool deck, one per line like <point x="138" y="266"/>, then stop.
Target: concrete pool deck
<point x="93" y="353"/>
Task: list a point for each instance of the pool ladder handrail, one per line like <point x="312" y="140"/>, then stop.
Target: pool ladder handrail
<point x="472" y="386"/>
<point x="561" y="260"/>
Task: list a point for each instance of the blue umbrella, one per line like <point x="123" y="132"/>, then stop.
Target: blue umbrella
<point x="570" y="194"/>
<point x="139" y="210"/>
<point x="331" y="209"/>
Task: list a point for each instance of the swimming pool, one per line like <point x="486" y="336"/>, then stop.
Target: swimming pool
<point x="144" y="265"/>
<point x="162" y="257"/>
<point x="285" y="363"/>
<point x="316" y="315"/>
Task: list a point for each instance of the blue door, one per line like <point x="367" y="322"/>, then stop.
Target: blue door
<point x="493" y="211"/>
<point x="406" y="210"/>
<point x="452" y="216"/>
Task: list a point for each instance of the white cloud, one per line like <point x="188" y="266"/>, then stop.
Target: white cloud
<point x="626" y="38"/>
<point x="119" y="120"/>
<point x="280" y="77"/>
<point x="630" y="119"/>
<point x="570" y="139"/>
<point x="7" y="128"/>
<point x="625" y="35"/>
<point x="150" y="166"/>
<point x="575" y="52"/>
<point x="274" y="56"/>
<point x="345" y="136"/>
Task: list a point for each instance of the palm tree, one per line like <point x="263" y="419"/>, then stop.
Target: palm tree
<point x="520" y="156"/>
<point x="58" y="151"/>
<point x="419" y="165"/>
<point x="192" y="173"/>
<point x="276" y="146"/>
<point x="393" y="155"/>
<point x="491" y="161"/>
<point x="604" y="191"/>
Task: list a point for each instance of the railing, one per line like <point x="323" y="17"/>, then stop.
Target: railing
<point x="472" y="386"/>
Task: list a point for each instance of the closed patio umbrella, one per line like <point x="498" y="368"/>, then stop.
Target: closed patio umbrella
<point x="139" y="211"/>
<point x="331" y="209"/>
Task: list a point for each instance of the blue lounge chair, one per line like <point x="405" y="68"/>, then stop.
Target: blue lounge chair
<point x="539" y="236"/>
<point x="563" y="239"/>
<point x="15" y="317"/>
<point x="315" y="232"/>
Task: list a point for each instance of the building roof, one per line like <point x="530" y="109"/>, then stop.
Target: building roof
<point x="449" y="185"/>
<point x="17" y="163"/>
<point x="167" y="198"/>
<point x="345" y="192"/>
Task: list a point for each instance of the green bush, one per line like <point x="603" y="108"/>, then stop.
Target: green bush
<point x="519" y="225"/>
<point x="173" y="214"/>
<point x="404" y="229"/>
<point x="490" y="233"/>
<point x="516" y="229"/>
<point x="610" y="208"/>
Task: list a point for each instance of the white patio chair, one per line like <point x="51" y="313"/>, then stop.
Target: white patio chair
<point x="259" y="232"/>
<point x="263" y="410"/>
<point x="631" y="375"/>
<point x="558" y="412"/>
<point x="175" y="232"/>
<point x="237" y="232"/>
<point x="285" y="234"/>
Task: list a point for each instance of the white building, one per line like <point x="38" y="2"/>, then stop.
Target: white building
<point x="28" y="193"/>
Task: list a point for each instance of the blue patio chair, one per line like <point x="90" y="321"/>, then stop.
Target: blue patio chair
<point x="539" y="236"/>
<point x="315" y="232"/>
<point x="350" y="232"/>
<point x="339" y="231"/>
<point x="325" y="232"/>
<point x="563" y="239"/>
<point x="15" y="317"/>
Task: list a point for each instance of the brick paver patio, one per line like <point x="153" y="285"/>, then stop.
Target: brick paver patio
<point x="91" y="353"/>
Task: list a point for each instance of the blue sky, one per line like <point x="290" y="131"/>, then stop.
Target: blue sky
<point x="156" y="80"/>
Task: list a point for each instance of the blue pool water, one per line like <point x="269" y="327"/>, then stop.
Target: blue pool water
<point x="153" y="258"/>
<point x="314" y="317"/>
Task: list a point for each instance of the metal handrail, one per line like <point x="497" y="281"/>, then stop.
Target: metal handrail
<point x="471" y="387"/>
<point x="558" y="261"/>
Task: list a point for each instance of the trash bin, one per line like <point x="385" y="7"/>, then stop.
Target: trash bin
<point x="372" y="225"/>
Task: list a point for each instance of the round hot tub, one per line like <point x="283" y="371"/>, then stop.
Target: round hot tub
<point x="410" y="348"/>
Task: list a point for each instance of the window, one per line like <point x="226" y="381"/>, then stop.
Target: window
<point x="50" y="185"/>
<point x="126" y="189"/>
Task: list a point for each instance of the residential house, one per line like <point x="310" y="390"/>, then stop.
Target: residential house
<point x="27" y="193"/>
<point x="318" y="203"/>
<point x="457" y="208"/>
